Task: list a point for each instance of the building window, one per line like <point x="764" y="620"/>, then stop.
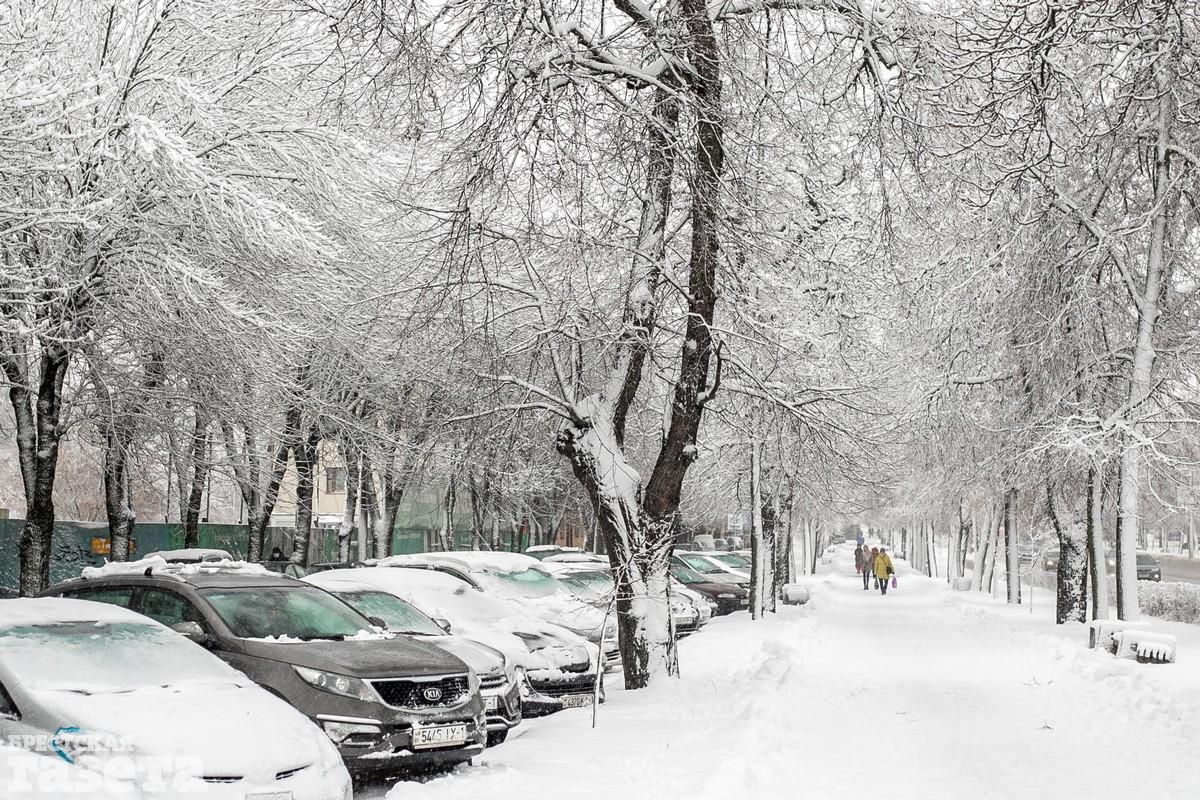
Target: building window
<point x="335" y="480"/>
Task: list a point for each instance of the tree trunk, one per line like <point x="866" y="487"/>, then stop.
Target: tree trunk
<point x="38" y="438"/>
<point x="1070" y="523"/>
<point x="201" y="464"/>
<point x="1147" y="307"/>
<point x="350" y="509"/>
<point x="1011" y="553"/>
<point x="304" y="455"/>
<point x="1095" y="544"/>
<point x="758" y="553"/>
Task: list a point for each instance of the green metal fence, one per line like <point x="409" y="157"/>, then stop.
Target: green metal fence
<point x="72" y="548"/>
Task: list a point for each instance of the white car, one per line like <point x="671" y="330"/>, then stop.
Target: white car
<point x="559" y="667"/>
<point x="146" y="713"/>
<point x="498" y="681"/>
<point x="527" y="584"/>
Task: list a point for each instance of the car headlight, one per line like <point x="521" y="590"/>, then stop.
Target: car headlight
<point x="338" y="684"/>
<point x="339" y="732"/>
<point x="523" y="683"/>
<point x="726" y="596"/>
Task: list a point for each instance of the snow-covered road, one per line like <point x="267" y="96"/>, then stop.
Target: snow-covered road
<point x="920" y="695"/>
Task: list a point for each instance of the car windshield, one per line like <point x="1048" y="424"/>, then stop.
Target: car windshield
<point x="287" y="612"/>
<point x="90" y="657"/>
<point x="1145" y="560"/>
<point x="685" y="574"/>
<point x="735" y="561"/>
<point x="526" y="582"/>
<point x="397" y="614"/>
<point x="702" y="564"/>
<point x="590" y="585"/>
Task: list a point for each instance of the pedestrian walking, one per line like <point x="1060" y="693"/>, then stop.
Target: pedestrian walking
<point x="868" y="566"/>
<point x="858" y="559"/>
<point x="882" y="566"/>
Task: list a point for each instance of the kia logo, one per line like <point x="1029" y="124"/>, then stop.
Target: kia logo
<point x="432" y="694"/>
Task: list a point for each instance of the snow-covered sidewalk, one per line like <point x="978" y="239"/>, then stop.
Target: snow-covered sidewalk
<point x="921" y="694"/>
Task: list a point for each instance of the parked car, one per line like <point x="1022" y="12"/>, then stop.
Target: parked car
<point x="388" y="702"/>
<point x="285" y="567"/>
<point x="497" y="680"/>
<point x="191" y="555"/>
<point x="595" y="586"/>
<point x="736" y="562"/>
<point x="323" y="566"/>
<point x="591" y="559"/>
<point x="727" y="595"/>
<point x="556" y="668"/>
<point x="114" y="690"/>
<point x="523" y="581"/>
<point x="706" y="564"/>
<point x="1148" y="568"/>
<point x="540" y="551"/>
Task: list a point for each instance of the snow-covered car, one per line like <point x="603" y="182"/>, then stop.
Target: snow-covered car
<point x="191" y="555"/>
<point x="725" y="593"/>
<point x="137" y="710"/>
<point x="389" y="703"/>
<point x="591" y="559"/>
<point x="541" y="551"/>
<point x="497" y="679"/>
<point x="557" y="667"/>
<point x="523" y="581"/>
<point x="708" y="563"/>
<point x="594" y="585"/>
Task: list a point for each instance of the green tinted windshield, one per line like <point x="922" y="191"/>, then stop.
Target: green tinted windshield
<point x="735" y="561"/>
<point x="685" y="574"/>
<point x="397" y="614"/>
<point x="522" y="583"/>
<point x="292" y="612"/>
<point x="701" y="564"/>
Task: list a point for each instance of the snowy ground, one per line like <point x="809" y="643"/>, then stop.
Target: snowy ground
<point x="923" y="694"/>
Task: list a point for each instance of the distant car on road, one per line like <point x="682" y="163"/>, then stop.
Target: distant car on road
<point x="106" y="684"/>
<point x="1148" y="568"/>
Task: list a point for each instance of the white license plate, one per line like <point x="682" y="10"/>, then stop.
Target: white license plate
<point x="270" y="796"/>
<point x="439" y="736"/>
<point x="576" y="700"/>
<point x="491" y="703"/>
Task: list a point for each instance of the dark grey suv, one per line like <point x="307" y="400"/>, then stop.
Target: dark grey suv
<point x="389" y="704"/>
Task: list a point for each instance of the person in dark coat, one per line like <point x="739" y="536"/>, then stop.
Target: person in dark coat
<point x="276" y="554"/>
<point x="868" y="565"/>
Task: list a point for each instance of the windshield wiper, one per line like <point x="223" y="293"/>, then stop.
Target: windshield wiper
<point x="337" y="637"/>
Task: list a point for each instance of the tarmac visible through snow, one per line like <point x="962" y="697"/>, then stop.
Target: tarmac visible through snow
<point x="920" y="695"/>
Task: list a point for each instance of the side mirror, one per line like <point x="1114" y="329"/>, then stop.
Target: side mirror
<point x="378" y="622"/>
<point x="193" y="632"/>
<point x="444" y="624"/>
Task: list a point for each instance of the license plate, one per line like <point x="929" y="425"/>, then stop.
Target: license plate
<point x="439" y="736"/>
<point x="270" y="796"/>
<point x="491" y="703"/>
<point x="576" y="700"/>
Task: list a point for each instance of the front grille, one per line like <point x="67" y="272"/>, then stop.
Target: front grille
<point x="424" y="693"/>
<point x="491" y="682"/>
<point x="561" y="689"/>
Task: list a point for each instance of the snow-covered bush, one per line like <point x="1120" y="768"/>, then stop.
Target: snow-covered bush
<point x="1174" y="601"/>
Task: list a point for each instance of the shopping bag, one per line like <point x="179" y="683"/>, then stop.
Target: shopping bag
<point x="893" y="581"/>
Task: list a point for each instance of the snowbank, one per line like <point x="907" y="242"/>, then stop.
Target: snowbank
<point x="1179" y="602"/>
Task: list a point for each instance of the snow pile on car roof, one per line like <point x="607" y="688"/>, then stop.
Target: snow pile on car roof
<point x="41" y="610"/>
<point x="158" y="565"/>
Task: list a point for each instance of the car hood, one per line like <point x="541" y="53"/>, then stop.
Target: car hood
<point x="217" y="729"/>
<point x="373" y="658"/>
<point x="481" y="658"/>
<point x="718" y="588"/>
